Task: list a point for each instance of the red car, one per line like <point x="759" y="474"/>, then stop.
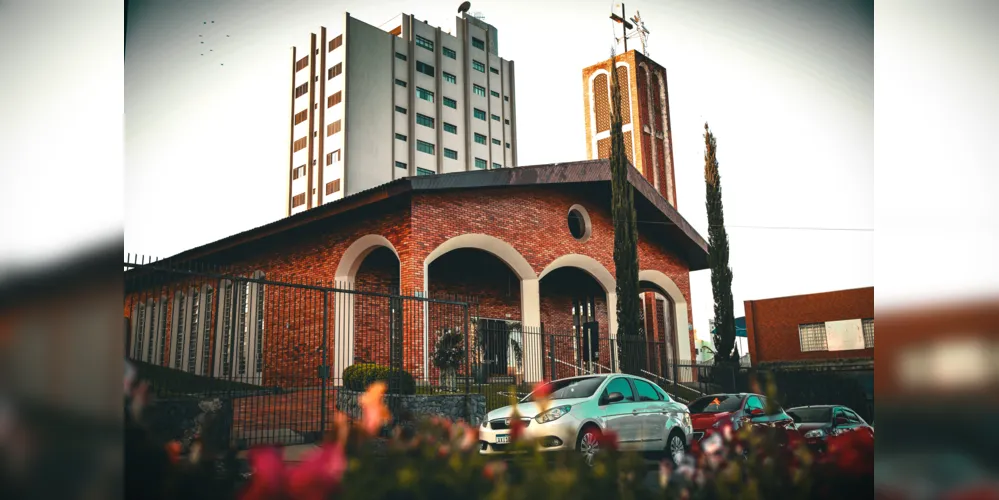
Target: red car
<point x="817" y="423"/>
<point x="710" y="413"/>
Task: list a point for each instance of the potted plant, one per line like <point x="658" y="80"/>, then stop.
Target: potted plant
<point x="449" y="355"/>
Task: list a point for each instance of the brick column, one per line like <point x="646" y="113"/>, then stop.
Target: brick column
<point x="414" y="313"/>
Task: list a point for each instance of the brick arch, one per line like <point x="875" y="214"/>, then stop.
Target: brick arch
<point x="587" y="264"/>
<point x="668" y="287"/>
<point x="491" y="244"/>
<point x="355" y="254"/>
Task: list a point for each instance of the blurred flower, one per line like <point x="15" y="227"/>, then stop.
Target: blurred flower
<point x="375" y="414"/>
<point x="140" y="398"/>
<point x="470" y="437"/>
<point x="664" y="473"/>
<point x="318" y="476"/>
<point x="712" y="444"/>
<point x="173" y="449"/>
<point x="341" y="427"/>
<point x="542" y="395"/>
<point x="608" y="440"/>
<point x="493" y="469"/>
<point x="268" y="479"/>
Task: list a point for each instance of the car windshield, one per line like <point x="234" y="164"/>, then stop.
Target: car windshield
<point x="715" y="404"/>
<point x="810" y="415"/>
<point x="571" y="388"/>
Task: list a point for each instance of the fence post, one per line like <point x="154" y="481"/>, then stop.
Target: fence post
<point x="468" y="357"/>
<point x="324" y="369"/>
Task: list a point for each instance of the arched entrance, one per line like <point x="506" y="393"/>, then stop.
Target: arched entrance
<point x="666" y="326"/>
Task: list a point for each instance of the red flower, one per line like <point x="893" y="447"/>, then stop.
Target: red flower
<point x="516" y="427"/>
<point x="314" y="479"/>
<point x="851" y="452"/>
<point x="173" y="451"/>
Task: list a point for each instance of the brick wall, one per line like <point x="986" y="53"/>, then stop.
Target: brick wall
<point x="772" y="324"/>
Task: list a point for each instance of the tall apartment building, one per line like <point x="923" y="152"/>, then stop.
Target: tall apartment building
<point x="645" y="108"/>
<point x="374" y="104"/>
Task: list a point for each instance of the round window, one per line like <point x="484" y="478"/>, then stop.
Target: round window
<point x="579" y="223"/>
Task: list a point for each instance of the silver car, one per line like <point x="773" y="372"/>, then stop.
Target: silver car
<point x="643" y="416"/>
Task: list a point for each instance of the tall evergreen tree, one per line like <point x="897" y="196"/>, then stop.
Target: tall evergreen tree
<point x="721" y="274"/>
<point x="631" y="343"/>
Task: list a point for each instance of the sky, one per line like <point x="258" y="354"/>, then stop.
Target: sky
<point x="786" y="86"/>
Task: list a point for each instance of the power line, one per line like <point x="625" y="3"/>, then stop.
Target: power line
<point x="792" y="228"/>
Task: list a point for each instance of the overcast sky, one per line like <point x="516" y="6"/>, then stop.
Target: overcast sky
<point x="787" y="87"/>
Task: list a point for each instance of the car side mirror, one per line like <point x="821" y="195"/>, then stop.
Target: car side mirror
<point x="756" y="412"/>
<point x="615" y="397"/>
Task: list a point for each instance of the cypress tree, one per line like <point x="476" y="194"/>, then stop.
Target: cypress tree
<point x="721" y="273"/>
<point x="631" y="342"/>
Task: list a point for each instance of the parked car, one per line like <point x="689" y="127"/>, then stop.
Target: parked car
<point x="710" y="413"/>
<point x="639" y="412"/>
<point x="816" y="423"/>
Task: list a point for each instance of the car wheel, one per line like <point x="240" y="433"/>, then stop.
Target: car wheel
<point x="588" y="444"/>
<point x="676" y="448"/>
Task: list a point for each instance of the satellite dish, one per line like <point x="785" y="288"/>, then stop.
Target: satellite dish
<point x="464" y="7"/>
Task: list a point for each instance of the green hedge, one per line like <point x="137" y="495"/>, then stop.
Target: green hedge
<point x="358" y="377"/>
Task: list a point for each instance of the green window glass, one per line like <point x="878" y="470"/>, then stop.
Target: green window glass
<point x="449" y="53"/>
<point x="479" y="44"/>
<point x="477" y="66"/>
<point x="448" y="77"/>
<point x="424" y="147"/>
<point x="480" y="114"/>
<point x="425" y="94"/>
<point x="424" y="120"/>
<point x="479" y="138"/>
<point x="480" y="163"/>
<point x="451" y="103"/>
<point x="425" y="43"/>
<point x="452" y="129"/>
<point x="450" y="153"/>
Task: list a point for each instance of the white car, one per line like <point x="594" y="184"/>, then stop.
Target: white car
<point x="642" y="415"/>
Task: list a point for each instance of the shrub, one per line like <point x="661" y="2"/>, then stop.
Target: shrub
<point x="358" y="377"/>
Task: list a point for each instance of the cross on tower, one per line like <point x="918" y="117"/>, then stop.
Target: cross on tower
<point x="626" y="25"/>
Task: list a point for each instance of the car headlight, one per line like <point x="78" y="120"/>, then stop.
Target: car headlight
<point x="817" y="433"/>
<point x="552" y="414"/>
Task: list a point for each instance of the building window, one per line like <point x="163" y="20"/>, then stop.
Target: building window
<point x="453" y="129"/>
<point x="400" y="56"/>
<point x="451" y="103"/>
<point x="423" y="42"/>
<point x="868" y="325"/>
<point x="495" y="117"/>
<point x="299" y="144"/>
<point x="400" y="83"/>
<point x="506" y="122"/>
<point x="494" y="93"/>
<point x="332" y="157"/>
<point x="579" y="223"/>
<point x="477" y="66"/>
<point x="450" y="153"/>
<point x="424" y="120"/>
<point x="333" y="128"/>
<point x="479" y="90"/>
<point x="497" y="165"/>
<point x="334" y="99"/>
<point x="497" y="142"/>
<point x="335" y="70"/>
<point x="301" y="90"/>
<point x="302" y="63"/>
<point x="813" y="337"/>
<point x="332" y="187"/>
<point x="479" y="44"/>
<point x="506" y="98"/>
<point x="301" y="116"/>
<point x="448" y="77"/>
<point x="400" y="137"/>
<point x="400" y="164"/>
<point x="425" y="68"/>
<point x="508" y="145"/>
<point x="493" y="70"/>
<point x="449" y="53"/>
<point x="400" y="109"/>
<point x="480" y="163"/>
<point x="479" y="114"/>
<point x="299" y="171"/>
<point x="479" y="138"/>
<point x="423" y="171"/>
<point x="298" y="200"/>
<point x="425" y="94"/>
<point x="424" y="147"/>
<point x="336" y="42"/>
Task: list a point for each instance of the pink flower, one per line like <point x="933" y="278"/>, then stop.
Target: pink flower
<point x="315" y="478"/>
<point x="268" y="479"/>
<point x="470" y="437"/>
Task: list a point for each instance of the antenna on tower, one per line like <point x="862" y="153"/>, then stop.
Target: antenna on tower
<point x="643" y="32"/>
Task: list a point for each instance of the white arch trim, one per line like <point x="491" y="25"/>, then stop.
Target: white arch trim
<point x="352" y="258"/>
<point x="588" y="264"/>
<point x="628" y="127"/>
<point x="501" y="249"/>
<point x="682" y="321"/>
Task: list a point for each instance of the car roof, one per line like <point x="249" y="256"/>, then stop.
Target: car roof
<point x="816" y="406"/>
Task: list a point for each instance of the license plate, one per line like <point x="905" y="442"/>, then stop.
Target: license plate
<point x="503" y="439"/>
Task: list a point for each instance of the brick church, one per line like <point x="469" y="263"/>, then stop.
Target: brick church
<point x="533" y="245"/>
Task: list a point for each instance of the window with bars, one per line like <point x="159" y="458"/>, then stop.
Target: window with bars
<point x="812" y="337"/>
<point x="449" y="53"/>
<point x="259" y="340"/>
<point x="479" y="90"/>
<point x="478" y="66"/>
<point x="425" y="68"/>
<point x="481" y="115"/>
<point x="301" y="90"/>
<point x="425" y="43"/>
<point x="480" y="163"/>
<point x="244" y="329"/>
<point x="178" y="339"/>
<point x="140" y="330"/>
<point x="450" y="153"/>
<point x="424" y="120"/>
<point x="448" y="77"/>
<point x="336" y="42"/>
<point x="332" y="186"/>
<point x="162" y="331"/>
<point x="480" y="139"/>
<point x="301" y="116"/>
<point x="479" y="44"/>
<point x="424" y="147"/>
<point x="451" y="103"/>
<point x="449" y="128"/>
<point x="192" y="351"/>
<point x="302" y="63"/>
<point x="207" y="332"/>
<point x="424" y="94"/>
<point x="868" y="325"/>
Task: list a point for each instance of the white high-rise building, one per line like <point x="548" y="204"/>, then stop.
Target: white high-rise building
<point x="374" y="104"/>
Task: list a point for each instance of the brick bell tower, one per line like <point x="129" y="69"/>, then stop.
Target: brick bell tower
<point x="645" y="109"/>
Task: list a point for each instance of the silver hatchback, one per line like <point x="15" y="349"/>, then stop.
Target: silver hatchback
<point x="640" y="413"/>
